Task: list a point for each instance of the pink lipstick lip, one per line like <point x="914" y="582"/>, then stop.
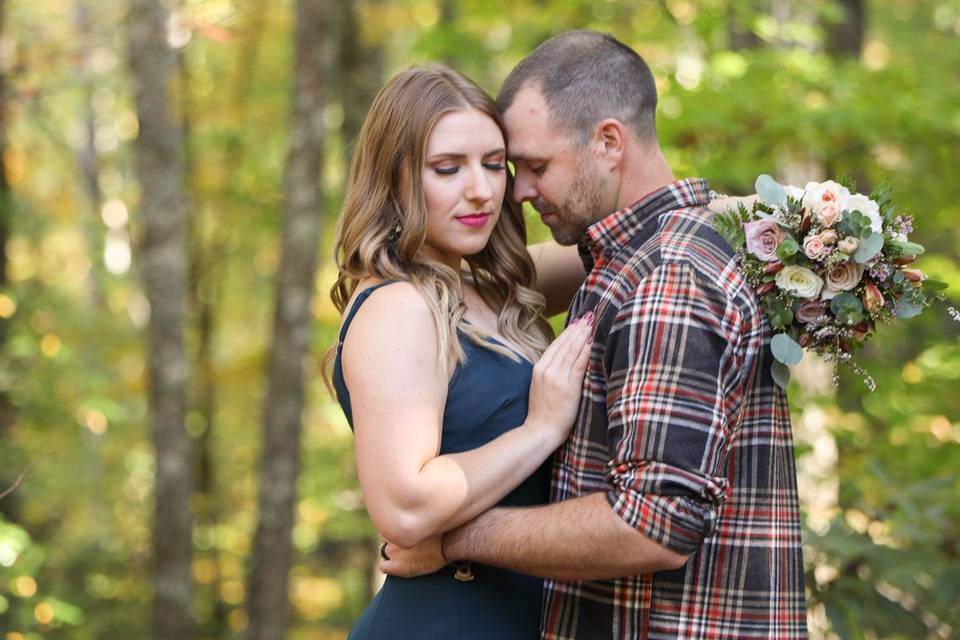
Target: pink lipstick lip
<point x="474" y="219"/>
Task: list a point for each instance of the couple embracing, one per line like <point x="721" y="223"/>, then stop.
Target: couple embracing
<point x="632" y="478"/>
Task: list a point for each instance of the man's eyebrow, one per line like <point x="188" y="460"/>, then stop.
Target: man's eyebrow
<point x="523" y="157"/>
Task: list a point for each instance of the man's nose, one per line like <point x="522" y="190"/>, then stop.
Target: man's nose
<point x="524" y="188"/>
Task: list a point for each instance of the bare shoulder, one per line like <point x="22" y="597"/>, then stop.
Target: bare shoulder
<point x="396" y="306"/>
<point x="393" y="329"/>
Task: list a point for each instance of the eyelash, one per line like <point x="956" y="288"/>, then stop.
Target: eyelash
<point x="538" y="171"/>
<point x="492" y="166"/>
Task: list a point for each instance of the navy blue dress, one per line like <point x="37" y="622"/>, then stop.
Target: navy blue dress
<point x="487" y="397"/>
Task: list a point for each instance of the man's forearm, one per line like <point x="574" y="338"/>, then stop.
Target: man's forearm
<point x="579" y="539"/>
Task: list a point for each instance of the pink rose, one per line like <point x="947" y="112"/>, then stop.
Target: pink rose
<point x="828" y="213"/>
<point x="814" y="247"/>
<point x="808" y="311"/>
<point x="763" y="237"/>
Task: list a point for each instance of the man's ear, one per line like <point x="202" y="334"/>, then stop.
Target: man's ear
<point x="610" y="134"/>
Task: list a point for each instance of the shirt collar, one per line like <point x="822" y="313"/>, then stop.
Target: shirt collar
<point x="613" y="232"/>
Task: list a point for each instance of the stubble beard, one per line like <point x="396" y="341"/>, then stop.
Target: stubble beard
<point x="582" y="207"/>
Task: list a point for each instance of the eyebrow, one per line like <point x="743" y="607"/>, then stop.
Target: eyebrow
<point x="522" y="157"/>
<point x="461" y="156"/>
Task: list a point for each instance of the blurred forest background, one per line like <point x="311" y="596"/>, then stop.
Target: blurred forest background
<point x="169" y="178"/>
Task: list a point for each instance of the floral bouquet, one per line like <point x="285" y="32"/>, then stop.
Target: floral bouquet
<point x="827" y="265"/>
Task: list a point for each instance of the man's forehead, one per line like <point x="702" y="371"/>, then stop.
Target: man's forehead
<point x="528" y="126"/>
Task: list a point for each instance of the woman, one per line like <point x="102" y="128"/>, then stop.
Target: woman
<point x="434" y="366"/>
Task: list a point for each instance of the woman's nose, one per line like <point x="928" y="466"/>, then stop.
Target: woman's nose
<point x="479" y="188"/>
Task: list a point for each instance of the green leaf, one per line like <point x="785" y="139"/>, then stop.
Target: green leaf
<point x="729" y="225"/>
<point x="787" y="247"/>
<point x="906" y="309"/>
<point x="907" y="248"/>
<point x="786" y="350"/>
<point x="770" y="191"/>
<point x="934" y="285"/>
<point x="847" y="307"/>
<point x="869" y="248"/>
<point x="780" y="373"/>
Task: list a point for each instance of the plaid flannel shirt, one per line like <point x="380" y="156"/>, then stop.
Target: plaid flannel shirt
<point x="683" y="429"/>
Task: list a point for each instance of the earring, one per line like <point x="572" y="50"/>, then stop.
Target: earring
<point x="395" y="233"/>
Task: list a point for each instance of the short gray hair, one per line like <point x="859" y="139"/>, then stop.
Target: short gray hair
<point x="586" y="76"/>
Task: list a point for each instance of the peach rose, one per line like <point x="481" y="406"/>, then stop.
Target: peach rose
<point x="848" y="245"/>
<point x="843" y="277"/>
<point x="828" y="214"/>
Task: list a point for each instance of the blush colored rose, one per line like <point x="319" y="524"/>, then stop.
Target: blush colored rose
<point x="821" y="193"/>
<point x="843" y="277"/>
<point x="829" y="237"/>
<point x="848" y="245"/>
<point x="828" y="214"/>
<point x="763" y="237"/>
<point x="813" y="247"/>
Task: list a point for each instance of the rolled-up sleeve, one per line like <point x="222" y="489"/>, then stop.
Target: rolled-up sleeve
<point x="672" y="370"/>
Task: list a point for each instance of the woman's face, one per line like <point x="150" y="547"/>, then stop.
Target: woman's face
<point x="464" y="180"/>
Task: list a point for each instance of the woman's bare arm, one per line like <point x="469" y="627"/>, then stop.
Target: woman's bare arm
<point x="397" y="392"/>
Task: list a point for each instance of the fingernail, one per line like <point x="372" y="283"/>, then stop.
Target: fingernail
<point x="588" y="317"/>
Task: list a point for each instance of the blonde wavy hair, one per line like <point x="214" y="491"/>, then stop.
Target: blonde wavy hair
<point x="388" y="159"/>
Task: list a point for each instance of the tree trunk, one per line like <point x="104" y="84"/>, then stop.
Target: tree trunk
<point x="844" y="39"/>
<point x="88" y="160"/>
<point x="9" y="504"/>
<point x="268" y="604"/>
<point x="163" y="261"/>
<point x="358" y="69"/>
<point x="844" y="42"/>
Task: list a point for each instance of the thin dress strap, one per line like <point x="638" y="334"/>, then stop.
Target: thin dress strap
<point x="339" y="384"/>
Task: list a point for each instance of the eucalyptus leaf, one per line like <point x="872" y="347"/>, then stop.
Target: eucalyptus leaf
<point x="869" y="248"/>
<point x="787" y="247"/>
<point x="770" y="191"/>
<point x="847" y="307"/>
<point x="780" y="373"/>
<point x="934" y="285"/>
<point x="907" y="248"/>
<point x="906" y="309"/>
<point x="786" y="350"/>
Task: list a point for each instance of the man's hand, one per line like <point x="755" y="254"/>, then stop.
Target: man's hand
<point x="425" y="558"/>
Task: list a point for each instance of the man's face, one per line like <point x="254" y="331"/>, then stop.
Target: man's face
<point x="561" y="179"/>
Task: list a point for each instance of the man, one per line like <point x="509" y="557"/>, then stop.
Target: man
<point x="674" y="510"/>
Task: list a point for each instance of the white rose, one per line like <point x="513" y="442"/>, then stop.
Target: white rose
<point x="800" y="281"/>
<point x="867" y="207"/>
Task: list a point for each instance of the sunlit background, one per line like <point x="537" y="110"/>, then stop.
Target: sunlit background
<point x="802" y="90"/>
